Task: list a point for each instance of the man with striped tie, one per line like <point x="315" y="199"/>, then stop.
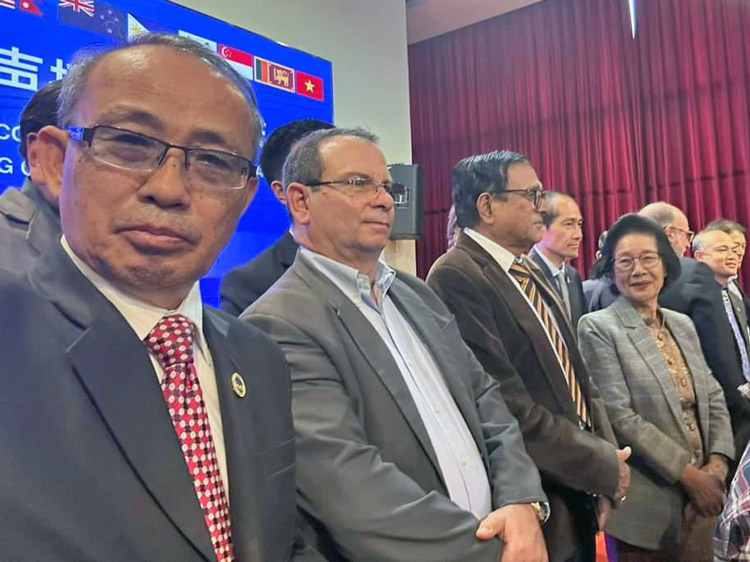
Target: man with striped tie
<point x="515" y="323"/>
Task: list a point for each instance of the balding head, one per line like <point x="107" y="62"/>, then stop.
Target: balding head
<point x="714" y="248"/>
<point x="673" y="221"/>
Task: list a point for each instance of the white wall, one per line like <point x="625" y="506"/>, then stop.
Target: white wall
<point x="364" y="39"/>
<point x="366" y="42"/>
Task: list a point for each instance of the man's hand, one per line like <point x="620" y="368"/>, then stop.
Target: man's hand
<point x="623" y="482"/>
<point x="518" y="527"/>
<point x="706" y="490"/>
<point x="603" y="511"/>
<point x="716" y="465"/>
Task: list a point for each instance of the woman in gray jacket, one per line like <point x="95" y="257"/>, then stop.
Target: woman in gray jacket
<point x="662" y="401"/>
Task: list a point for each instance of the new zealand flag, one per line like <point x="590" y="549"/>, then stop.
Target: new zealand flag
<point x="94" y="16"/>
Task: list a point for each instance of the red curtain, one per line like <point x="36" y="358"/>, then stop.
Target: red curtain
<point x="614" y="121"/>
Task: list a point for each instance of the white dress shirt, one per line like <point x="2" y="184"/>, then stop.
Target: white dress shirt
<point x="505" y="259"/>
<point x="457" y="453"/>
<point x="142" y="317"/>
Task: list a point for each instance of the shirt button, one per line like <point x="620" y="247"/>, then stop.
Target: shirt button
<point x="464" y="460"/>
<point x="670" y="361"/>
<point x="437" y="409"/>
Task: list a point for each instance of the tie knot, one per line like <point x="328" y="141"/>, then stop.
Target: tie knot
<point x="519" y="269"/>
<point x="171" y="340"/>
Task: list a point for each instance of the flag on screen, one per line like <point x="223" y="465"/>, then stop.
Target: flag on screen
<point x="138" y="26"/>
<point x="104" y="19"/>
<point x="240" y="60"/>
<point x="30" y="7"/>
<point x="8" y="4"/>
<point x="211" y="45"/>
<point x="309" y="86"/>
<point x="78" y="7"/>
<point x="274" y="74"/>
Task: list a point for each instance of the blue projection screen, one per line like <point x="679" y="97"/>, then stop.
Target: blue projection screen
<point x="39" y="37"/>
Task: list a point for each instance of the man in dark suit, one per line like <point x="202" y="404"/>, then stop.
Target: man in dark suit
<point x="139" y="425"/>
<point x="739" y="244"/>
<point x="405" y="448"/>
<point x="561" y="242"/>
<point x="244" y="284"/>
<point x="515" y="323"/>
<point x="697" y="294"/>
<point x="29" y="218"/>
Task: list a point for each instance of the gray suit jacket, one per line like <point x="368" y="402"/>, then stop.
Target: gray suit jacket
<point x="91" y="466"/>
<point x="28" y="227"/>
<point x="645" y="412"/>
<point x="368" y="476"/>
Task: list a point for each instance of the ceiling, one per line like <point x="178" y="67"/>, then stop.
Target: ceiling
<point x="429" y="18"/>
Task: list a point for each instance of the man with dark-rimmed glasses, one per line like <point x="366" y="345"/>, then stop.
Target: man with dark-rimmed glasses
<point x="405" y="448"/>
<point x="515" y="323"/>
<point x="140" y="425"/>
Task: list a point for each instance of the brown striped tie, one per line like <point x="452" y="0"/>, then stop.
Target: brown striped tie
<point x="522" y="275"/>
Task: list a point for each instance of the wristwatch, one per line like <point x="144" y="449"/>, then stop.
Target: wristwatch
<point x="542" y="511"/>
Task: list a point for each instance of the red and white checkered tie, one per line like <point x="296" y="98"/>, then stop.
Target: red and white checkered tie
<point x="171" y="340"/>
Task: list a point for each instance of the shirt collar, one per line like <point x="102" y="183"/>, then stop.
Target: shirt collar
<point x="141" y="316"/>
<point x="354" y="284"/>
<point x="552" y="267"/>
<point x="503" y="257"/>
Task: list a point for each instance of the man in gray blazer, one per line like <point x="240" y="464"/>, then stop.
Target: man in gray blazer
<point x="405" y="448"/>
<point x="29" y="217"/>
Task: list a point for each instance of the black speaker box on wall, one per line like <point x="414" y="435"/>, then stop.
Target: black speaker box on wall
<point x="408" y="217"/>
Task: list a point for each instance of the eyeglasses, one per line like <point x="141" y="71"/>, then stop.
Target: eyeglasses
<point x="206" y="169"/>
<point x="367" y="186"/>
<point x="534" y="194"/>
<point x="689" y="233"/>
<point x="625" y="264"/>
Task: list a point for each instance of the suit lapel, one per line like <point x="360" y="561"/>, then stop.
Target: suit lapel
<point x="372" y="348"/>
<point x="544" y="268"/>
<point x="288" y="250"/>
<point x="639" y="335"/>
<point x="422" y="319"/>
<point x="239" y="440"/>
<point x="524" y="317"/>
<point x="114" y="367"/>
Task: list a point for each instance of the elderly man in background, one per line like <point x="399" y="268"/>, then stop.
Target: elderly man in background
<point x="561" y="243"/>
<point x="29" y="217"/>
<point x="405" y="448"/>
<point x="139" y="425"/>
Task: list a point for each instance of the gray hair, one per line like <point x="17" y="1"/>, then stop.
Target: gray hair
<point x="85" y="60"/>
<point x="552" y="198"/>
<point x="660" y="212"/>
<point x="726" y="225"/>
<point x="303" y="165"/>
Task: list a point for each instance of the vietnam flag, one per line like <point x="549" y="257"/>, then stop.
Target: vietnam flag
<point x="309" y="86"/>
<point x="240" y="60"/>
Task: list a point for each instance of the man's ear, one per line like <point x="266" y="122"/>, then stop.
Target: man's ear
<point x="278" y="191"/>
<point x="298" y="202"/>
<point x="46" y="157"/>
<point x="484" y="207"/>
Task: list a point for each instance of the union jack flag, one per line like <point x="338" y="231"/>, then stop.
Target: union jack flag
<point x="85" y="6"/>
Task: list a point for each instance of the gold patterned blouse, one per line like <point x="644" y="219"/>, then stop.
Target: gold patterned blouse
<point x="683" y="382"/>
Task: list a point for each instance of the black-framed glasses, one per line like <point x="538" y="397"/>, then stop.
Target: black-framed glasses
<point x="534" y="194"/>
<point x="206" y="169"/>
<point x="625" y="264"/>
<point x="689" y="233"/>
<point x="366" y="185"/>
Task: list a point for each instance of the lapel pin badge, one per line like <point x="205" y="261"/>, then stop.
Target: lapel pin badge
<point x="238" y="385"/>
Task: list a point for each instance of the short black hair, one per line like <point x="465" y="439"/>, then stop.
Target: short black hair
<point x="479" y="174"/>
<point x="39" y="112"/>
<point x="279" y="143"/>
<point x="635" y="223"/>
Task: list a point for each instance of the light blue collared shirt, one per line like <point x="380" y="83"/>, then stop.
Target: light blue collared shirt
<point x="457" y="453"/>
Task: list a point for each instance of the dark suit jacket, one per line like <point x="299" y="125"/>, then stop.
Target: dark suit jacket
<point x="91" y="466"/>
<point x="697" y="294"/>
<point x="28" y="227"/>
<point x="368" y="476"/>
<point x="498" y="325"/>
<point x="599" y="293"/>
<point x="243" y="285"/>
<point x="575" y="287"/>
